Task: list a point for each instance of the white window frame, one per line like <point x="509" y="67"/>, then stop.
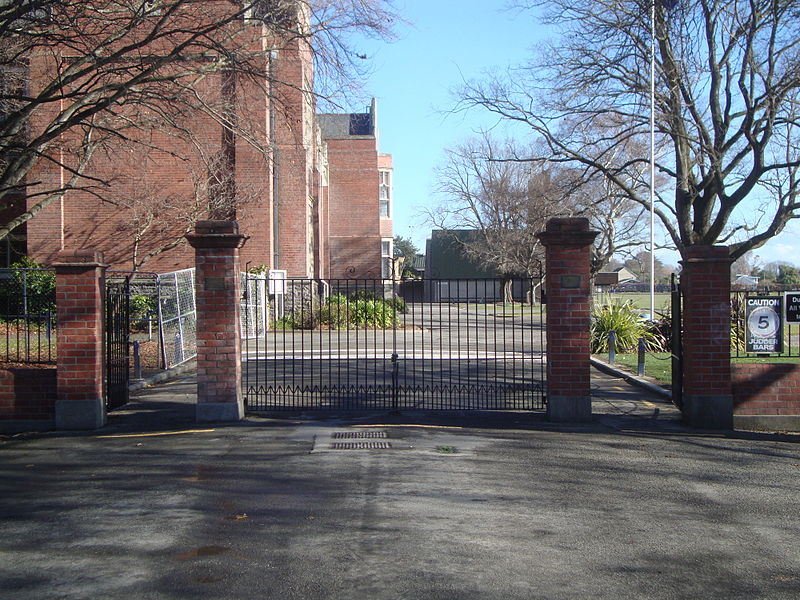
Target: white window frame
<point x="387" y="187"/>
<point x="387" y="259"/>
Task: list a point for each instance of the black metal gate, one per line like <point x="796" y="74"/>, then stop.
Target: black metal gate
<point x="360" y="345"/>
<point x="117" y="346"/>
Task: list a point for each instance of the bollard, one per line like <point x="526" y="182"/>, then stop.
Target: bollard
<point x="137" y="362"/>
<point x="612" y="347"/>
<point x="640" y="366"/>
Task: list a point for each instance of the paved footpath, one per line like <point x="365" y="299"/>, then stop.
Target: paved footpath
<point x="633" y="505"/>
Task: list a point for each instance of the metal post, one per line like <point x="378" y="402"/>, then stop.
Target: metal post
<point x="612" y="347"/>
<point x="137" y="362"/>
<point x="640" y="365"/>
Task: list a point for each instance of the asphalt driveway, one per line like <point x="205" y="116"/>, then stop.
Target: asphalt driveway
<point x="462" y="506"/>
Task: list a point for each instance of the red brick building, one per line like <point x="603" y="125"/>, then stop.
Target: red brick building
<point x="314" y="199"/>
<point x="359" y="233"/>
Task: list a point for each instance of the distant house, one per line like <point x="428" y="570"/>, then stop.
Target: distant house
<point x="605" y="280"/>
<point x="745" y="281"/>
<point x="445" y="257"/>
<point x="418" y="265"/>
<point x="453" y="275"/>
<point x="625" y="276"/>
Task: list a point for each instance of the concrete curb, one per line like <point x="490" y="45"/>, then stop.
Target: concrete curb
<point x="632" y="379"/>
<point x="163" y="376"/>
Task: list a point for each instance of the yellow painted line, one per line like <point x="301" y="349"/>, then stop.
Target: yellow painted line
<point x="159" y="433"/>
<point x="648" y="404"/>
<point x="410" y="425"/>
<point x="672" y="434"/>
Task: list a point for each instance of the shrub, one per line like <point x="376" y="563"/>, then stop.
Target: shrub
<point x="624" y="319"/>
<point x="738" y="333"/>
<point x="373" y="313"/>
<point x="335" y="313"/>
<point x="285" y="323"/>
<point x="364" y="294"/>
<point x="142" y="306"/>
<point x="399" y="304"/>
<point x="341" y="312"/>
<point x="31" y="287"/>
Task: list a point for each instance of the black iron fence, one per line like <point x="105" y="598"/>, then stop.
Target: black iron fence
<point x="27" y="315"/>
<point x="117" y="340"/>
<point x="362" y="345"/>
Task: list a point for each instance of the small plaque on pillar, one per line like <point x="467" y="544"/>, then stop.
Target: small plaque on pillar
<point x="570" y="282"/>
<point x="215" y="284"/>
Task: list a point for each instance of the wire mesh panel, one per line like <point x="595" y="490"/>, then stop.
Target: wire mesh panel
<point x="177" y="317"/>
<point x="359" y="345"/>
<point x="254" y="305"/>
<point x="27" y="315"/>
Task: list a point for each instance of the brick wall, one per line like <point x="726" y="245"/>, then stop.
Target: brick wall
<point x="27" y="394"/>
<point x="285" y="183"/>
<point x="766" y="389"/>
<point x="354" y="228"/>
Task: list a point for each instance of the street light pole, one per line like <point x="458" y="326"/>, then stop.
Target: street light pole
<point x="652" y="157"/>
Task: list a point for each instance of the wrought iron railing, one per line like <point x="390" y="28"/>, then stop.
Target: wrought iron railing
<point x="27" y="316"/>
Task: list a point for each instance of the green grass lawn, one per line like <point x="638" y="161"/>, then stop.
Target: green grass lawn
<point x="659" y="367"/>
<point x="656" y="365"/>
<point x="641" y="301"/>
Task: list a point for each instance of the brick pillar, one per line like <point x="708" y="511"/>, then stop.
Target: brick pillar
<point x="80" y="286"/>
<point x="706" y="288"/>
<point x="568" y="244"/>
<point x="219" y="366"/>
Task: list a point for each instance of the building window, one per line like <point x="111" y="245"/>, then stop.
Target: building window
<point x="385" y="193"/>
<point x="386" y="259"/>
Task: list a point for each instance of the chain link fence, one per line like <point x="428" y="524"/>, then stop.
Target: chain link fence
<point x="177" y="317"/>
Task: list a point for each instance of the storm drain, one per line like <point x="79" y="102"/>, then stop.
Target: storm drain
<point x="340" y="435"/>
<point x="360" y="445"/>
<point x="359" y="440"/>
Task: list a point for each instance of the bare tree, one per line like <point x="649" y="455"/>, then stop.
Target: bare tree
<point x="106" y="71"/>
<point x="726" y="99"/>
<point x="481" y="189"/>
<point x="507" y="193"/>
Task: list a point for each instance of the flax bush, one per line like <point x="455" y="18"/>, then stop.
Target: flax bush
<point x="623" y="318"/>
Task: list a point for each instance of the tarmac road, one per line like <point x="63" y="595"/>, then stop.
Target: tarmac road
<point x="469" y="506"/>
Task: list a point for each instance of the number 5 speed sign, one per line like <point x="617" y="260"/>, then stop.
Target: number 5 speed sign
<point x="764" y="324"/>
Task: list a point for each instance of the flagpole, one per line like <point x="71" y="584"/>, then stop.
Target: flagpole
<point x="652" y="158"/>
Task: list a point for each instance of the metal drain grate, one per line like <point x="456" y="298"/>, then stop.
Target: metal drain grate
<point x="360" y="445"/>
<point x="355" y="435"/>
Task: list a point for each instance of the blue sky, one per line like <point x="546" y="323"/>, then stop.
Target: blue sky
<point x="413" y="78"/>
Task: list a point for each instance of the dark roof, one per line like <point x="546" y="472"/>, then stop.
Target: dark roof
<point x="335" y="126"/>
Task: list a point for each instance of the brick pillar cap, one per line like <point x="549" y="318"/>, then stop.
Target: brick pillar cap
<point x="216" y="227"/>
<point x="216" y="234"/>
<point x="81" y="257"/>
<point x="567" y="231"/>
<point x="706" y="253"/>
<point x="568" y="224"/>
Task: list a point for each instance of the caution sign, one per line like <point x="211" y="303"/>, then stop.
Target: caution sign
<point x="764" y="324"/>
<point x="792" y="307"/>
